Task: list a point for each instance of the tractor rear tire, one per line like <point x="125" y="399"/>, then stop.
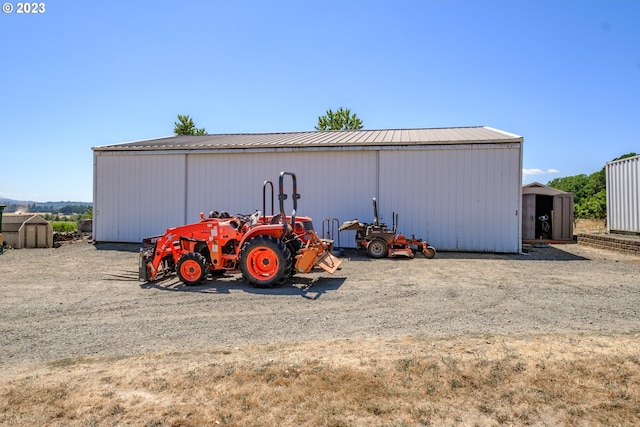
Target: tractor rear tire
<point x="265" y="262"/>
<point x="192" y="268"/>
<point x="377" y="248"/>
<point x="430" y="252"/>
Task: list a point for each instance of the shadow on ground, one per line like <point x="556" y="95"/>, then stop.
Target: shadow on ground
<point x="539" y="252"/>
<point x="304" y="287"/>
<point x="122" y="247"/>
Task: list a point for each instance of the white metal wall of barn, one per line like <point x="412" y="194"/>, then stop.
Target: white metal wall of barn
<point x="623" y="195"/>
<point x="137" y="195"/>
<point x="459" y="197"/>
<point x="131" y="203"/>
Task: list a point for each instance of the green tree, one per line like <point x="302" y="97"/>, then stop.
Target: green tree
<point x="185" y="126"/>
<point x="624" y="156"/>
<point x="594" y="206"/>
<point x="575" y="184"/>
<point x="88" y="214"/>
<point x="341" y="119"/>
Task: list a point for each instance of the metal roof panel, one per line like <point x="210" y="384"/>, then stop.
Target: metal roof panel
<point x="351" y="138"/>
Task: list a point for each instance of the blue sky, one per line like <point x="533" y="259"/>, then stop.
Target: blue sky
<point x="565" y="75"/>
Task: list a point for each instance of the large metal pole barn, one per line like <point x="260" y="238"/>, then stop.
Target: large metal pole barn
<point x="457" y="188"/>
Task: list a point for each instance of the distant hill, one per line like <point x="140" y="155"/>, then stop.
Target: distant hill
<point x="6" y="201"/>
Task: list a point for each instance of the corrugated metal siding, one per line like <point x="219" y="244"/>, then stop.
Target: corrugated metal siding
<point x="623" y="195"/>
<point x="142" y="195"/>
<point x="465" y="199"/>
<point x="137" y="195"/>
<point x="332" y="183"/>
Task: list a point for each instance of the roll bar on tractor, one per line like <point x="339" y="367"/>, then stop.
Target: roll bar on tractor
<point x="282" y="196"/>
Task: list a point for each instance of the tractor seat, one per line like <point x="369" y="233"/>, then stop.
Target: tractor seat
<point x="277" y="219"/>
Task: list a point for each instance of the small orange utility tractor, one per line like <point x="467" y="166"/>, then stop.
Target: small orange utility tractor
<point x="266" y="249"/>
<point x="380" y="242"/>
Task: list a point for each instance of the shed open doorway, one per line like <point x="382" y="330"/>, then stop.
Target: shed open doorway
<point x="544" y="215"/>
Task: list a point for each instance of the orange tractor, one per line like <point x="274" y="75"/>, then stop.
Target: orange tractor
<point x="266" y="249"/>
<point x="379" y="241"/>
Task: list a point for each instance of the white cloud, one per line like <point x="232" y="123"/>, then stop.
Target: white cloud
<point x="527" y="172"/>
<point x="535" y="171"/>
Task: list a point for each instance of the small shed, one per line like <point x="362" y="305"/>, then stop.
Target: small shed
<point x="547" y="213"/>
<point x="21" y="231"/>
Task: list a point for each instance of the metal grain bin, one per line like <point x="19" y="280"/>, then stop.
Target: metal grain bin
<point x="623" y="195"/>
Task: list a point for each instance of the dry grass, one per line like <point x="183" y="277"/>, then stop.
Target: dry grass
<point x="534" y="380"/>
<point x="589" y="226"/>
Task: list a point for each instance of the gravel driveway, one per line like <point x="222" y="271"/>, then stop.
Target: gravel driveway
<point x="59" y="303"/>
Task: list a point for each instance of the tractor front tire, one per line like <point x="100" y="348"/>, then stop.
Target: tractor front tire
<point x="377" y="248"/>
<point x="192" y="268"/>
<point x="430" y="252"/>
<point x="265" y="262"/>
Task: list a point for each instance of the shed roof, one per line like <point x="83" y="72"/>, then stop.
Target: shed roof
<point x="544" y="190"/>
<point x="349" y="138"/>
<point x="13" y="222"/>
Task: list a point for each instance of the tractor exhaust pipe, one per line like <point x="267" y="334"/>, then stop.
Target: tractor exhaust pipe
<point x="375" y="213"/>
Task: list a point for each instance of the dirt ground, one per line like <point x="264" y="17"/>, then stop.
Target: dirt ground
<point x="66" y="302"/>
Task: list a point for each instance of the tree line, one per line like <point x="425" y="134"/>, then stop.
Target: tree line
<point x="54" y="209"/>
